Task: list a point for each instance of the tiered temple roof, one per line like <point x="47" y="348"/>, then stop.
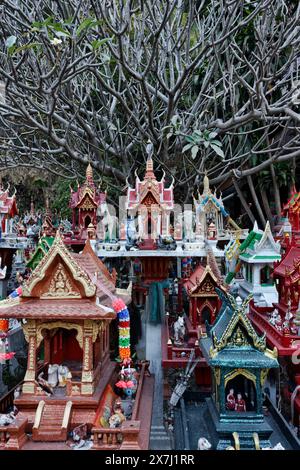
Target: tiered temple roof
<point x="150" y="191"/>
<point x="8" y="207"/>
<point x="211" y="216"/>
<point x="64" y="285"/>
<point x="260" y="246"/>
<point x="233" y="340"/>
<point x="87" y="195"/>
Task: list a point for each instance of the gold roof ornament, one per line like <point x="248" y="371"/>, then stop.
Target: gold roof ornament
<point x="89" y="172"/>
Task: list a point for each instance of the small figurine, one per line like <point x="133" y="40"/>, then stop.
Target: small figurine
<point x="203" y="444"/>
<point x="179" y="330"/>
<point x="240" y="404"/>
<point x="230" y="404"/>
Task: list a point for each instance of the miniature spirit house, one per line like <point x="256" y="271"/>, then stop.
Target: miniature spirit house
<point x="67" y="304"/>
<point x="258" y="254"/>
<point x="240" y="362"/>
<point x="8" y="209"/>
<point x="84" y="204"/>
<point x="152" y="203"/>
<point x="204" y="302"/>
<point x="213" y="222"/>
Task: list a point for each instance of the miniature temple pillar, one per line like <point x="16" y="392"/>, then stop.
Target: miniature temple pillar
<point x="165" y="223"/>
<point x="47" y="352"/>
<point x="30" y="336"/>
<point x="87" y="366"/>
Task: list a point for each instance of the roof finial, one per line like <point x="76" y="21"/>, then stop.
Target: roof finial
<point x="206" y="189"/>
<point x="89" y="173"/>
<point x="149" y="167"/>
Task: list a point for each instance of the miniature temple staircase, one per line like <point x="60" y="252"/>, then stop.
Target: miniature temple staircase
<point x="51" y="422"/>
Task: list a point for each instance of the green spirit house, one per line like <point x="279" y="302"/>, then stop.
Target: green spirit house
<point x="240" y="362"/>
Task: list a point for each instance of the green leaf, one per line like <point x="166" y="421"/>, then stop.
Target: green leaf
<point x="195" y="150"/>
<point x="218" y="150"/>
<point x="10" y="41"/>
<point x="212" y="135"/>
<point x="199" y="133"/>
<point x="99" y="42"/>
<point x="87" y="23"/>
<point x="189" y="138"/>
<point x="59" y="30"/>
<point x="216" y="142"/>
<point x="187" y="147"/>
<point x="206" y="144"/>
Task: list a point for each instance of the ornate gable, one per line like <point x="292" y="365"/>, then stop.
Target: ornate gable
<point x="267" y="242"/>
<point x="150" y="199"/>
<point x="58" y="275"/>
<point x="87" y="202"/>
<point x="206" y="284"/>
<point x="239" y="330"/>
<point x="60" y="285"/>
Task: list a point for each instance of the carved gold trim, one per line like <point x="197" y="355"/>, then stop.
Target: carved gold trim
<point x="236" y="372"/>
<point x="263" y="376"/>
<point x="60" y="324"/>
<point x="29" y="376"/>
<point x="87" y="389"/>
<point x="58" y="248"/>
<point x="239" y="314"/>
<point x="273" y="354"/>
<point x="29" y="329"/>
<point x="60" y="286"/>
<point x="87" y="376"/>
<point x="217" y="373"/>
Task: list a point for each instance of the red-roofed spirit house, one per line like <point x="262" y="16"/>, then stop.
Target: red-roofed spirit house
<point x="84" y="204"/>
<point x="67" y="305"/>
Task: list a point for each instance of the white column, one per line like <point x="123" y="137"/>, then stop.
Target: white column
<point x="256" y="275"/>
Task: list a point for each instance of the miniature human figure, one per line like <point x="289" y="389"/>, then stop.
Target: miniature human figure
<point x="230" y="404"/>
<point x="240" y="404"/>
<point x="60" y="284"/>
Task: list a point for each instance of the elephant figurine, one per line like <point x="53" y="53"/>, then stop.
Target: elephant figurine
<point x="53" y="374"/>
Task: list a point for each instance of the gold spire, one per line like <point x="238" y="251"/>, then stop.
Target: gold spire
<point x="206" y="189"/>
<point x="149" y="164"/>
<point x="89" y="172"/>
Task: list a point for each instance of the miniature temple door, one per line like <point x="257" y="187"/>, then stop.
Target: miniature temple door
<point x="30" y="335"/>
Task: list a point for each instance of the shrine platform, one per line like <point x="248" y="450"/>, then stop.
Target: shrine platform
<point x="178" y="253"/>
<point x="83" y="408"/>
<point x="191" y="423"/>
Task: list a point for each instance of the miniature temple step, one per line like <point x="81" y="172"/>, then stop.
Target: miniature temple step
<point x="51" y="422"/>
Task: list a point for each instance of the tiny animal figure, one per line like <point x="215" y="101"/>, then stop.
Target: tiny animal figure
<point x="115" y="421"/>
<point x="6" y="419"/>
<point x="53" y="374"/>
<point x="44" y="384"/>
<point x="179" y="330"/>
<point x="203" y="444"/>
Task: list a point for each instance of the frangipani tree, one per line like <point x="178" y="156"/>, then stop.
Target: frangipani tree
<point x="211" y="83"/>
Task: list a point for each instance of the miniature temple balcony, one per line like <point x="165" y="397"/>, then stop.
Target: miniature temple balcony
<point x="132" y="434"/>
<point x="275" y="338"/>
<point x="13" y="437"/>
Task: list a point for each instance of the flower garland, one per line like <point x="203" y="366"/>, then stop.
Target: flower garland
<point x="124" y="328"/>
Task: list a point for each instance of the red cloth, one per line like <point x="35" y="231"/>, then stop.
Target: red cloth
<point x="240" y="405"/>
